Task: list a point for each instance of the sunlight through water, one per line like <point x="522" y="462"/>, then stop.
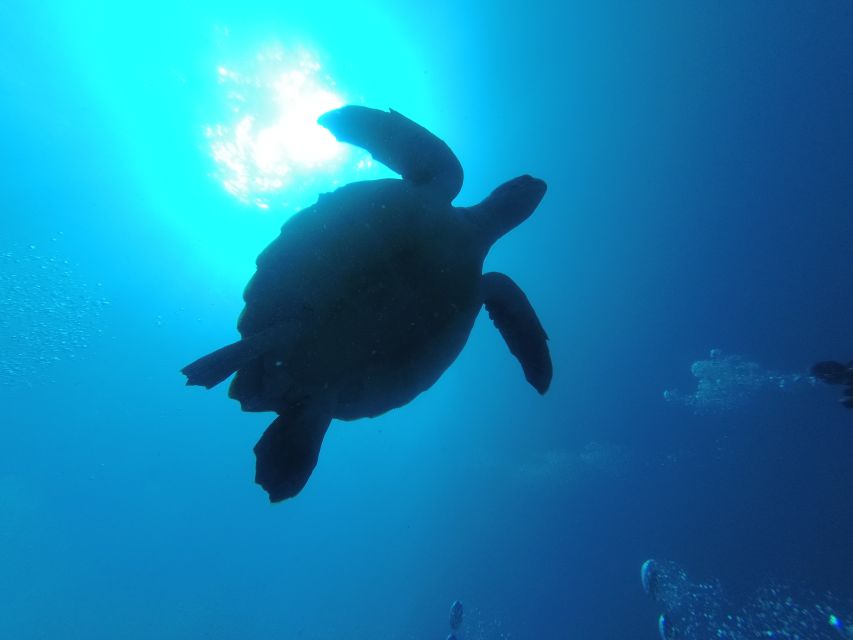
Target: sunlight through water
<point x="271" y="140"/>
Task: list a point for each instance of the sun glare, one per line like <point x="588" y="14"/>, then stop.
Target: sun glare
<point x="271" y="138"/>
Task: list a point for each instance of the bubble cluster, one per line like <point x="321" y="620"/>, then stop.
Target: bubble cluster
<point x="725" y="382"/>
<point x="48" y="313"/>
<point x="562" y="466"/>
<point x="605" y="456"/>
<point x="479" y="626"/>
<point x="699" y="611"/>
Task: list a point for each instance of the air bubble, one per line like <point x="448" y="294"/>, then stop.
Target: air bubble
<point x="700" y="611"/>
<point x="726" y="382"/>
<point x="47" y="313"/>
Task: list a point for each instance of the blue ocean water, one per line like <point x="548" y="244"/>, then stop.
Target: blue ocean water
<point x="700" y="167"/>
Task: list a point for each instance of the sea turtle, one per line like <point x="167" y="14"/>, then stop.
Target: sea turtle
<point x="366" y="297"/>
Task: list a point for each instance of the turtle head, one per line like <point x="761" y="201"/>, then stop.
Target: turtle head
<point x="508" y="206"/>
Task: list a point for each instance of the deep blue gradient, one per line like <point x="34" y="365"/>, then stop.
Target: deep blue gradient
<point x="699" y="158"/>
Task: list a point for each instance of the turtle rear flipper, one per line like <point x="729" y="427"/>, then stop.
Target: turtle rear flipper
<point x="288" y="451"/>
<point x="515" y="318"/>
<point x="208" y="371"/>
<point x="400" y="144"/>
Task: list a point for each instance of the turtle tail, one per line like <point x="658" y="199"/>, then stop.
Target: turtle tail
<point x="208" y="371"/>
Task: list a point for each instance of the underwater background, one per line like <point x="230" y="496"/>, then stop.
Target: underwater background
<point x="691" y="260"/>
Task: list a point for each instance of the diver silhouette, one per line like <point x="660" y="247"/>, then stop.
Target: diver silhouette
<point x="832" y="372"/>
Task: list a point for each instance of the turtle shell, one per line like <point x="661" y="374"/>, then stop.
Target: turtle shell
<point x="370" y="293"/>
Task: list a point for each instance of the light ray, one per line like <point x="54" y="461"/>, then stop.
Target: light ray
<point x="273" y="139"/>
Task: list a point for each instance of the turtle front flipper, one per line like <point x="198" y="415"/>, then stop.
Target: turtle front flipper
<point x="515" y="318"/>
<point x="399" y="143"/>
<point x="288" y="451"/>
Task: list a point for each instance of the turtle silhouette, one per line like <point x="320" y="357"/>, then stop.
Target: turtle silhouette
<point x="368" y="296"/>
<point x="832" y="372"/>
